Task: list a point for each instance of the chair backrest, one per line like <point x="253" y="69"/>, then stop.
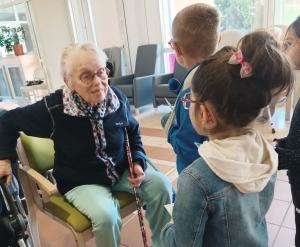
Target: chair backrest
<point x="230" y="37"/>
<point x="148" y="59"/>
<point x="179" y="71"/>
<point x="39" y="74"/>
<point x="283" y="28"/>
<point x="39" y="151"/>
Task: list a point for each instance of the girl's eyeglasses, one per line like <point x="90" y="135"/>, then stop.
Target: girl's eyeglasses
<point x="88" y="76"/>
<point x="287" y="44"/>
<point x="186" y="101"/>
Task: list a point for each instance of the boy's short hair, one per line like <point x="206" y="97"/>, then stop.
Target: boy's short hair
<point x="196" y="29"/>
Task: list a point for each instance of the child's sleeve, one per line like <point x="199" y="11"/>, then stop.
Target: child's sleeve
<point x="189" y="215"/>
<point x="288" y="159"/>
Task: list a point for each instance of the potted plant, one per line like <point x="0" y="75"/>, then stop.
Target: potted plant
<point x="6" y="38"/>
<point x="10" y="39"/>
<point x="18" y="36"/>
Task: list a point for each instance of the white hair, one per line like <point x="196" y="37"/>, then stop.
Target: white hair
<point x="72" y="49"/>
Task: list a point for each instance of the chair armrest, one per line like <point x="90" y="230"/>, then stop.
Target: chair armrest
<point x="123" y="80"/>
<point x="46" y="187"/>
<point x="142" y="90"/>
<point x="161" y="79"/>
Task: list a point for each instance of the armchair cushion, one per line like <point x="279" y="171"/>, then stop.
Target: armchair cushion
<point x="62" y="209"/>
<point x="123" y="80"/>
<point x="126" y="89"/>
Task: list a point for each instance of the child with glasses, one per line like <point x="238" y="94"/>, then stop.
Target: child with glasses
<point x="223" y="196"/>
<point x="288" y="148"/>
<point x="195" y="31"/>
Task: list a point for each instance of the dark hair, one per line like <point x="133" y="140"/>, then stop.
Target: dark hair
<point x="296" y="27"/>
<point x="237" y="101"/>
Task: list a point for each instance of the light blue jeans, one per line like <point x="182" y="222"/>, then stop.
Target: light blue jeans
<point x="98" y="204"/>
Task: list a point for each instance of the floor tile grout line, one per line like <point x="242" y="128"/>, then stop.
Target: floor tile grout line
<point x="129" y="220"/>
<point x="281" y="224"/>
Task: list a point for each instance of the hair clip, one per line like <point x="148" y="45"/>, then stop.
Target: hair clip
<point x="237" y="58"/>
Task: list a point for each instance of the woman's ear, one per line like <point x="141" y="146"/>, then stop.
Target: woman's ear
<point x="67" y="83"/>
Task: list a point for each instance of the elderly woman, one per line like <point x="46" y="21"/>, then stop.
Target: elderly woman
<point x="86" y="121"/>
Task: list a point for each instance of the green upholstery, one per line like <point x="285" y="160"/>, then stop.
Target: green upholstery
<point x="39" y="151"/>
<point x="62" y="209"/>
<point x="40" y="154"/>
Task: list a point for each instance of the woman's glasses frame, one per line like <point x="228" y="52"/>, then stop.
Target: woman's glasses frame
<point x="87" y="77"/>
<point x="186" y="101"/>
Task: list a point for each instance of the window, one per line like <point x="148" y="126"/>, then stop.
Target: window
<point x="286" y="11"/>
<point x="13" y="17"/>
<point x="243" y="15"/>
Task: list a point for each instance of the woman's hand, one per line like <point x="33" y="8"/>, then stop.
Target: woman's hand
<point x="139" y="175"/>
<point x="5" y="170"/>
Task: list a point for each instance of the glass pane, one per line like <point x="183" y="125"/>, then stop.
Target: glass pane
<point x="7" y="14"/>
<point x="21" y="12"/>
<point x="243" y="15"/>
<point x="4" y="1"/>
<point x="4" y="91"/>
<point x="16" y="79"/>
<point x="286" y="11"/>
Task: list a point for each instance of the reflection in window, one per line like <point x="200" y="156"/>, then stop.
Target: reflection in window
<point x="7" y="14"/>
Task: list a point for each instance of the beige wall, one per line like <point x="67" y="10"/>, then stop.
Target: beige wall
<point x="106" y="23"/>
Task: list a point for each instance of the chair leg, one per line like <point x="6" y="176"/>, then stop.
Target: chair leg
<point x="156" y="110"/>
<point x="137" y="111"/>
<point x="79" y="239"/>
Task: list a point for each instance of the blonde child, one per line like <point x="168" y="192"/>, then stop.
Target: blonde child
<point x="195" y="31"/>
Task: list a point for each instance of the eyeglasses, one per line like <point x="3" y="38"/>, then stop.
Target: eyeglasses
<point x="87" y="77"/>
<point x="287" y="44"/>
<point x="186" y="101"/>
<point x="170" y="44"/>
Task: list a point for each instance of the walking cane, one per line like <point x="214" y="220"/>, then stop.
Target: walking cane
<point x="137" y="200"/>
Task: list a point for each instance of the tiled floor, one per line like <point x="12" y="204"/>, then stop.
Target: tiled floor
<point x="280" y="217"/>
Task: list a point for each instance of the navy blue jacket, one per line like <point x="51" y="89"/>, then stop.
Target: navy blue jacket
<point x="289" y="149"/>
<point x="75" y="162"/>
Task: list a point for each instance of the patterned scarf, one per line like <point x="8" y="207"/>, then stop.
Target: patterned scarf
<point x="75" y="105"/>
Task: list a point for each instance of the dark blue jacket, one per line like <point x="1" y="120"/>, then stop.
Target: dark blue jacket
<point x="289" y="149"/>
<point x="182" y="136"/>
<point x="75" y="162"/>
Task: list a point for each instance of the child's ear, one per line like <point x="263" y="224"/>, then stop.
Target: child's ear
<point x="178" y="50"/>
<point x="207" y="116"/>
